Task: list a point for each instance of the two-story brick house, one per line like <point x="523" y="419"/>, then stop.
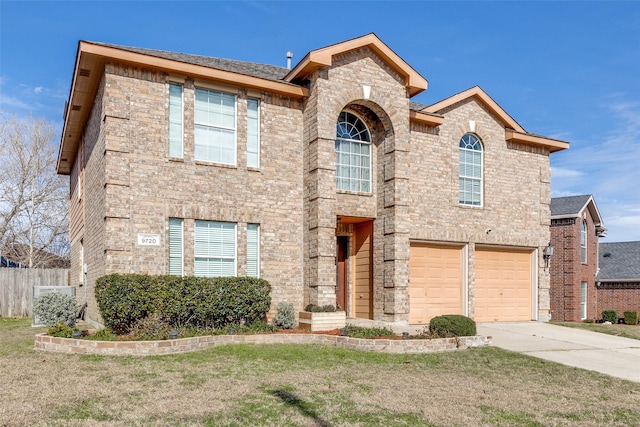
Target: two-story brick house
<point x="325" y="179"/>
<point x="576" y="225"/>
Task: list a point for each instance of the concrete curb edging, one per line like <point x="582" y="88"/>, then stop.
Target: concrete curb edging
<point x="44" y="342"/>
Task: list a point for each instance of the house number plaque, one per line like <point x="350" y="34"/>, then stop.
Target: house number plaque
<point x="148" y="239"/>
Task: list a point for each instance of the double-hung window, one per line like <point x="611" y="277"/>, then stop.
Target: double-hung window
<point x="215" y="249"/>
<point x="253" y="133"/>
<point x="470" y="164"/>
<point x="583" y="242"/>
<point x="176" y="260"/>
<point x="215" y="127"/>
<point x="353" y="154"/>
<point x="175" y="120"/>
<point x="253" y="250"/>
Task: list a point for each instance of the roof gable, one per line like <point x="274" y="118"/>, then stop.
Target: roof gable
<point x="513" y="131"/>
<point x="619" y="262"/>
<point x="323" y="57"/>
<point x="574" y="206"/>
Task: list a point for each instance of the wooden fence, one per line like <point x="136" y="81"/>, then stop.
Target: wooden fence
<point x="16" y="287"/>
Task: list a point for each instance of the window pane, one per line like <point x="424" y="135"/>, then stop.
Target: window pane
<point x="215" y="127"/>
<point x="253" y="133"/>
<point x="175" y="246"/>
<point x="470" y="170"/>
<point x="215" y="249"/>
<point x="175" y="120"/>
<point x="253" y="248"/>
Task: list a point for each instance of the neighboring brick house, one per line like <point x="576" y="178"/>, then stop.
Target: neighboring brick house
<point x="326" y="180"/>
<point x="618" y="279"/>
<point x="576" y="225"/>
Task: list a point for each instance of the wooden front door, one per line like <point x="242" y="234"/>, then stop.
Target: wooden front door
<point x="341" y="274"/>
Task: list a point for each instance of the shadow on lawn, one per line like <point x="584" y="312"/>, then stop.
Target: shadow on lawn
<point x="304" y="407"/>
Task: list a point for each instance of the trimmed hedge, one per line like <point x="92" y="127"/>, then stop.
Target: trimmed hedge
<point x="452" y="325"/>
<point x="630" y="317"/>
<point x="610" y="316"/>
<point x="124" y="299"/>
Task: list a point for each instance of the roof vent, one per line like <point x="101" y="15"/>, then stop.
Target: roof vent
<point x="289" y="56"/>
<point x="84" y="72"/>
<point x="607" y="255"/>
<point x="76" y="107"/>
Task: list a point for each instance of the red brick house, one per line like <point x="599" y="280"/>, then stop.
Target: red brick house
<point x="618" y="278"/>
<point x="576" y="225"/>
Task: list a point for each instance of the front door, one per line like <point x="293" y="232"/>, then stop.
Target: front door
<point x="341" y="274"/>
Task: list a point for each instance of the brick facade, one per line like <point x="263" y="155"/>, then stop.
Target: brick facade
<point x="129" y="185"/>
<point x="568" y="271"/>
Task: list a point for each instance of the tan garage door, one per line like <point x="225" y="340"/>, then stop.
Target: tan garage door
<point x="435" y="282"/>
<point x="502" y="285"/>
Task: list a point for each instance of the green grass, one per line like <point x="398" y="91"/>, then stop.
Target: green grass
<point x="293" y="385"/>
<point x="619" y="330"/>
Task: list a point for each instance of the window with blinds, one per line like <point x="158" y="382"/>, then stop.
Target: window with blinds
<point x="215" y="249"/>
<point x="175" y="120"/>
<point x="253" y="133"/>
<point x="253" y="250"/>
<point x="215" y="126"/>
<point x="175" y="247"/>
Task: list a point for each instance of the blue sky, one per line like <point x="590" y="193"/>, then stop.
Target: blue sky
<point x="566" y="70"/>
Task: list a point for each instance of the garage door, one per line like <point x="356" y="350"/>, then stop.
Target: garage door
<point x="435" y="282"/>
<point x="502" y="285"/>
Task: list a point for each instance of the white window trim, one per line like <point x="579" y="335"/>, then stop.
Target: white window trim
<point x="258" y="134"/>
<point x="583" y="305"/>
<point x="234" y="128"/>
<point x="257" y="249"/>
<point x="235" y="237"/>
<point x="481" y="179"/>
<point x="181" y="120"/>
<point x="181" y="244"/>
<point x="355" y="141"/>
<point x="583" y="242"/>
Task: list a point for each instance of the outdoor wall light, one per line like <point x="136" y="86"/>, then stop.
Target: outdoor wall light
<point x="546" y="254"/>
<point x="173" y="334"/>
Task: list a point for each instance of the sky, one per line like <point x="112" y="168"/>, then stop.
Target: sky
<point x="567" y="70"/>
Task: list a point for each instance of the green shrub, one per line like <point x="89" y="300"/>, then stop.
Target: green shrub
<point x="104" y="334"/>
<point x="153" y="327"/>
<point x="630" y="317"/>
<point x="61" y="330"/>
<point x="55" y="307"/>
<point x="286" y="317"/>
<point x="124" y="299"/>
<point x="362" y="332"/>
<point x="312" y="308"/>
<point x="452" y="325"/>
<point x="610" y="316"/>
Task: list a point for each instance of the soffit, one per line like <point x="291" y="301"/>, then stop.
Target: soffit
<point x="323" y="57"/>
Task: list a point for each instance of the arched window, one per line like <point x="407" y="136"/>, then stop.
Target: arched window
<point x="470" y="179"/>
<point x="583" y="242"/>
<point x="353" y="154"/>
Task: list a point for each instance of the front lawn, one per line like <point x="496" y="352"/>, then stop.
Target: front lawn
<point x="620" y="330"/>
<point x="290" y="385"/>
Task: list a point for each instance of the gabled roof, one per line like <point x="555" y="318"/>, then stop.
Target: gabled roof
<point x="323" y="57"/>
<point x="513" y="131"/>
<point x="619" y="262"/>
<point x="574" y="206"/>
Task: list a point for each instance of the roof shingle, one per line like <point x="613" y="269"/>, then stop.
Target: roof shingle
<point x="619" y="261"/>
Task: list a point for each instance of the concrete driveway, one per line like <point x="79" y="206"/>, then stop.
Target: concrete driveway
<point x="615" y="356"/>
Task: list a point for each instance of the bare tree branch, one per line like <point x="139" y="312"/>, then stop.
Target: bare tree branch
<point x="34" y="212"/>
